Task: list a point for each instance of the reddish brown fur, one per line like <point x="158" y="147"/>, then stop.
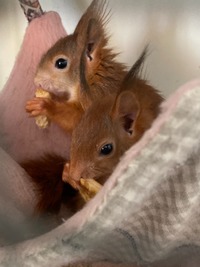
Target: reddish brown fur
<point x="51" y="190"/>
<point x="120" y="121"/>
<point x="68" y="99"/>
<point x="104" y="74"/>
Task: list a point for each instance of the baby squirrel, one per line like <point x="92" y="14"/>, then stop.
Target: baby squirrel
<point x="59" y="74"/>
<point x="78" y="81"/>
<point x="58" y="71"/>
<point x="110" y="126"/>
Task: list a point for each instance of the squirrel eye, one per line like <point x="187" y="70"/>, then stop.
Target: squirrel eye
<point x="106" y="149"/>
<point x="61" y="63"/>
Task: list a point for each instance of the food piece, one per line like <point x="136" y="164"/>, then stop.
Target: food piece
<point x="89" y="188"/>
<point x="42" y="120"/>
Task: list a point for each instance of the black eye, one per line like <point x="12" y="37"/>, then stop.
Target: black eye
<point x="61" y="63"/>
<point x="106" y="149"/>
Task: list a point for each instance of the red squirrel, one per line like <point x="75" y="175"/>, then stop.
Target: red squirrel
<point x="110" y="126"/>
<point x="58" y="71"/>
<point x="107" y="129"/>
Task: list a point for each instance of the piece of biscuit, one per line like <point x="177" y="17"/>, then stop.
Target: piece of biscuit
<point x="41" y="120"/>
<point x="89" y="188"/>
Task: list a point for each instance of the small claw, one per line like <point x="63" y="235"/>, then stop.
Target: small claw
<point x="35" y="113"/>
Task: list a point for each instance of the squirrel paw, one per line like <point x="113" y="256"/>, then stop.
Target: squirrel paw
<point x="38" y="106"/>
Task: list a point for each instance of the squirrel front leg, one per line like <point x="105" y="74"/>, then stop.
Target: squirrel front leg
<point x="65" y="114"/>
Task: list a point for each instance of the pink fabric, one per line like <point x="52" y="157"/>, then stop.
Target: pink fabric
<point x="19" y="135"/>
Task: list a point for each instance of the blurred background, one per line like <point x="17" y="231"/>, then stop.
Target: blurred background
<point x="172" y="28"/>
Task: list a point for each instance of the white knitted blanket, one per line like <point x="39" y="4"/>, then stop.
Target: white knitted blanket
<point x="147" y="210"/>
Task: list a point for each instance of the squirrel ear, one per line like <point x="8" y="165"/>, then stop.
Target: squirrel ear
<point x="94" y="38"/>
<point x="126" y="109"/>
<point x="90" y="29"/>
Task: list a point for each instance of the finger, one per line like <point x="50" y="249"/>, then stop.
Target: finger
<point x="32" y="101"/>
<point x="35" y="113"/>
<point x="36" y="106"/>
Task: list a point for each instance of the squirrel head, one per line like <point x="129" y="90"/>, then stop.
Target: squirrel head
<point x="58" y="70"/>
<point x="111" y="125"/>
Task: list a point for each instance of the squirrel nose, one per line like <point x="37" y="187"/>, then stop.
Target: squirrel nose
<point x="65" y="174"/>
<point x="67" y="178"/>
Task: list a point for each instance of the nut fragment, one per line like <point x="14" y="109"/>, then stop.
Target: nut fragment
<point x="42" y="120"/>
<point x="89" y="188"/>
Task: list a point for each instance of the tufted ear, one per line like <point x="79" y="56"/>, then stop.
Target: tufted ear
<point x="95" y="10"/>
<point x="90" y="29"/>
<point x="135" y="72"/>
<point x="126" y="109"/>
<point x="94" y="39"/>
